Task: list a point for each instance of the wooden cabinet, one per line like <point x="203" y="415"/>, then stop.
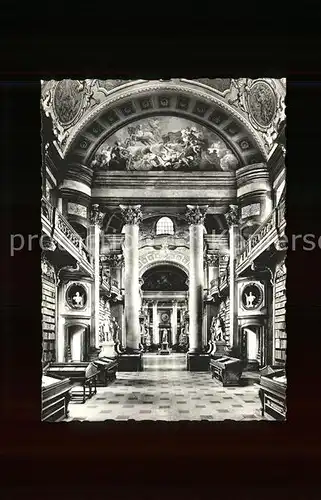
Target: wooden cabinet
<point x="227" y="370"/>
<point x="272" y="394"/>
<point x="55" y="397"/>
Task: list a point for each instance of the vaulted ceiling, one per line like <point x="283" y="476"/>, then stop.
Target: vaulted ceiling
<point x="244" y="113"/>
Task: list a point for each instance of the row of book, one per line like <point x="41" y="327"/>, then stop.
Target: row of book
<point x="280" y="354"/>
<point x="48" y="335"/>
<point x="280" y="343"/>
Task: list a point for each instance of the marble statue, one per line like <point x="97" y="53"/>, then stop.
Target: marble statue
<point x="78" y="299"/>
<point x="165" y="338"/>
<point x="114" y="328"/>
<point x="249" y="299"/>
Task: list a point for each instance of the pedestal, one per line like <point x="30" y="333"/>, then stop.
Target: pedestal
<point x="130" y="363"/>
<point x="108" y="350"/>
<point x="220" y="349"/>
<point x="198" y="362"/>
<point x="164" y="350"/>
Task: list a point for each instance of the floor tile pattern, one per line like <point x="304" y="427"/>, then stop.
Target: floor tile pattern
<point x="168" y="394"/>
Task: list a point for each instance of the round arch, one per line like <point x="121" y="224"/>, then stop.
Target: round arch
<point x="173" y="272"/>
<point x="161" y="262"/>
<point x="183" y="99"/>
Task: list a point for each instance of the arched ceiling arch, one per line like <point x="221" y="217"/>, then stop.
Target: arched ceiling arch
<point x="166" y="277"/>
<point x="186" y="100"/>
<point x="85" y="112"/>
<point x="162" y="262"/>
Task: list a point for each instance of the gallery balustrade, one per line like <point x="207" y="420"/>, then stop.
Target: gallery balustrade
<point x="264" y="236"/>
<point x="57" y="226"/>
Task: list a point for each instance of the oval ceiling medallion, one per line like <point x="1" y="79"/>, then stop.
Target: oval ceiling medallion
<point x="68" y="100"/>
<point x="262" y="103"/>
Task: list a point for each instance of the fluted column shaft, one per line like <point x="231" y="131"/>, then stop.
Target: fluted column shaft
<point x="132" y="217"/>
<point x="195" y="216"/>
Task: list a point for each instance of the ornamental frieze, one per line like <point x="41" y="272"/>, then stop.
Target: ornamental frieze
<point x="180" y="258"/>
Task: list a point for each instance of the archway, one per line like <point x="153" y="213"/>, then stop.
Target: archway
<point x="252" y="338"/>
<point x="76" y="342"/>
<point x="165" y="295"/>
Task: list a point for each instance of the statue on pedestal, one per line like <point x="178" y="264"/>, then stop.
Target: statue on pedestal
<point x="164" y="338"/>
<point x="217" y="329"/>
<point x="114" y="329"/>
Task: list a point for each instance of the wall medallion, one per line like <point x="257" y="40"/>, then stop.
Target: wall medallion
<point x="165" y="318"/>
<point x="262" y="103"/>
<point x="68" y="101"/>
<point x="76" y="296"/>
<point x="252" y="296"/>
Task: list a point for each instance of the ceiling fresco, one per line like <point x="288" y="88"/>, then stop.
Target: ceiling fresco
<point x="165" y="143"/>
<point x="245" y="113"/>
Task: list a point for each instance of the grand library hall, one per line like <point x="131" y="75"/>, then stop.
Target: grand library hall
<point x="163" y="251"/>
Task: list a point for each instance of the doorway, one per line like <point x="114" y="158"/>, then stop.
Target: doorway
<point x="252" y="348"/>
<point x="77" y="343"/>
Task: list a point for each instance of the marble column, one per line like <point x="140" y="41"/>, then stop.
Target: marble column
<point x="195" y="216"/>
<point x="174" y="322"/>
<point x="232" y="218"/>
<point x="155" y="324"/>
<point x="132" y="217"/>
<point x="96" y="220"/>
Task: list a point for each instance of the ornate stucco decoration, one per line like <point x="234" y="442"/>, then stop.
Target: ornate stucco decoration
<point x="96" y="216"/>
<point x="113" y="260"/>
<point x="196" y="214"/>
<point x="133" y="100"/>
<point x="232" y="215"/>
<point x="47" y="269"/>
<point x="65" y="102"/>
<point x="149" y="257"/>
<point x="131" y="214"/>
<point x="212" y="259"/>
<point x="262" y="101"/>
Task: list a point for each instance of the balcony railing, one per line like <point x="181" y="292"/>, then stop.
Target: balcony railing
<point x="55" y="224"/>
<point x="262" y="237"/>
<point x="115" y="290"/>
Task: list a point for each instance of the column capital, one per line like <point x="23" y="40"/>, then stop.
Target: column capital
<point x="212" y="259"/>
<point x="96" y="216"/>
<point x="132" y="214"/>
<point x="195" y="214"/>
<point x="232" y="216"/>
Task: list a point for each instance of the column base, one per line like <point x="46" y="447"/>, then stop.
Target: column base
<point x="197" y="362"/>
<point x="130" y="362"/>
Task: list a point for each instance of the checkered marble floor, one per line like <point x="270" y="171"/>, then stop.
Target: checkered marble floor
<point x="168" y="394"/>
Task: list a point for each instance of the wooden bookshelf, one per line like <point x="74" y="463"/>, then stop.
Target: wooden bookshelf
<point x="280" y="336"/>
<point x="48" y="311"/>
